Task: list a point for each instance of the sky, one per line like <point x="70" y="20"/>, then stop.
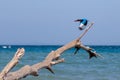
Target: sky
<point x="51" y="22"/>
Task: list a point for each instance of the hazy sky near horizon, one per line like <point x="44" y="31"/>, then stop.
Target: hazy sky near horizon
<point x="50" y="22"/>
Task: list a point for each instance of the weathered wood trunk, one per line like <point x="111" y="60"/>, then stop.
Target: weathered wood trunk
<point x="52" y="59"/>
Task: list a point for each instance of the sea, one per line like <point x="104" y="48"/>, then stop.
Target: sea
<point x="75" y="67"/>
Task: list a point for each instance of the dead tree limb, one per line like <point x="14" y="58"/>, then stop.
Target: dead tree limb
<point x="52" y="59"/>
<point x="12" y="63"/>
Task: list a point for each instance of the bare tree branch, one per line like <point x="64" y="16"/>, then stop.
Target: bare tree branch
<point x="12" y="63"/>
<point x="52" y="59"/>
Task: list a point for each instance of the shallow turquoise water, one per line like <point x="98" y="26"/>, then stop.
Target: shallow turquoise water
<point x="75" y="67"/>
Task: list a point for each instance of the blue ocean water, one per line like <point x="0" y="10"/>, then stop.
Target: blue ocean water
<point x="75" y="67"/>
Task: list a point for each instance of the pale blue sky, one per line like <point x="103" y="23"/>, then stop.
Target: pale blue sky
<point x="43" y="22"/>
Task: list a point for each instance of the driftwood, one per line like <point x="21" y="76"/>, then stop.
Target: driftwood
<point x="52" y="59"/>
<point x="12" y="63"/>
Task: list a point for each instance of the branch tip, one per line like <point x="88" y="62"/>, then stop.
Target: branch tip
<point x="50" y="69"/>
